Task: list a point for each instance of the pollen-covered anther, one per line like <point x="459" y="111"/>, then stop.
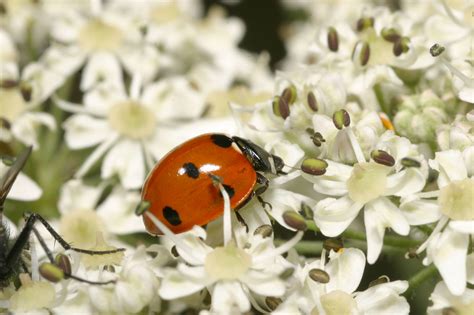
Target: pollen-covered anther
<point x="436" y="50"/>
<point x="382" y="157"/>
<point x="319" y="275"/>
<point x="312" y="101"/>
<point x="51" y="272"/>
<point x="265" y="230"/>
<point x="314" y="166"/>
<point x="288" y="272"/>
<point x="295" y="220"/>
<point x="365" y="23"/>
<point x="341" y="119"/>
<point x="273" y="302"/>
<point x="333" y="39"/>
<point x="409" y="162"/>
<point x="379" y="280"/>
<point x="280" y="107"/>
<point x="390" y="35"/>
<point x="401" y="46"/>
<point x="142" y="206"/>
<point x="63" y="262"/>
<point x="334" y="244"/>
<point x="289" y="94"/>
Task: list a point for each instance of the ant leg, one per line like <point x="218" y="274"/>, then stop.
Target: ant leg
<point x="34" y="216"/>
<point x="66" y="274"/>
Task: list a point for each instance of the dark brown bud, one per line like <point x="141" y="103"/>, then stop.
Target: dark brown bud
<point x="401" y="46"/>
<point x="364" y="23"/>
<point x="341" y="119"/>
<point x="295" y="220"/>
<point x="364" y="54"/>
<point x="280" y="107"/>
<point x="289" y="94"/>
<point x="390" y="35"/>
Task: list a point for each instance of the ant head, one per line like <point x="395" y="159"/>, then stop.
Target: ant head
<point x="6" y="182"/>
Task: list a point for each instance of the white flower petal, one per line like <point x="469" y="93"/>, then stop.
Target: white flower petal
<point x="84" y="131"/>
<point x="24" y="189"/>
<point x="333" y="182"/>
<point x="384" y="299"/>
<point x="264" y="283"/>
<point x="466" y="226"/>
<point x="409" y="181"/>
<point x="118" y="212"/>
<point x="126" y="160"/>
<point x="75" y="195"/>
<point x="450" y="165"/>
<point x="345" y="270"/>
<point x="228" y="295"/>
<point x="26" y="127"/>
<point x="333" y="216"/>
<point x="448" y="251"/>
<point x="175" y="285"/>
<point x="102" y="68"/>
<point x="420" y="211"/>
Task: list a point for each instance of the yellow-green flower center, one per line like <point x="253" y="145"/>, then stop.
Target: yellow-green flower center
<point x="337" y="303"/>
<point x="456" y="199"/>
<point x="381" y="51"/>
<point x="132" y="120"/>
<point x="97" y="35"/>
<point x="80" y="227"/>
<point x="33" y="296"/>
<point x="12" y="104"/>
<point x="368" y="181"/>
<point x="227" y="263"/>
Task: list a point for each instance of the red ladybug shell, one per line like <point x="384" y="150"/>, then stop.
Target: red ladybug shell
<point x="180" y="191"/>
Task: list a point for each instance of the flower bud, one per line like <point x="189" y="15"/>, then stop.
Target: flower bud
<point x="382" y="157"/>
<point x="319" y="275"/>
<point x="51" y="272"/>
<point x="295" y="220"/>
<point x="314" y="166"/>
<point x="333" y="39"/>
<point x="341" y="119"/>
<point x="265" y="230"/>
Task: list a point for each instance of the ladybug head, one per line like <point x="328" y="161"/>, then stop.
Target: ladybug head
<point x="261" y="160"/>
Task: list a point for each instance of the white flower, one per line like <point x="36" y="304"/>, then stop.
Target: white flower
<point x="338" y="296"/>
<point x="248" y="266"/>
<point x="367" y="185"/>
<point x="447" y="245"/>
<point x="444" y="301"/>
<point x="127" y="129"/>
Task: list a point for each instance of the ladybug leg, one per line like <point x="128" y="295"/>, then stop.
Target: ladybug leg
<point x="262" y="180"/>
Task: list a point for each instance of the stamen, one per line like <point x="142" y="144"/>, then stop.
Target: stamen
<point x="441" y="223"/>
<point x="281" y="249"/>
<point x="323" y="258"/>
<point x="227" y="224"/>
<point x="319" y="275"/>
<point x="95" y="156"/>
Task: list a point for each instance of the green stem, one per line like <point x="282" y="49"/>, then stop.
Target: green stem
<point x="420" y="277"/>
<point x="393" y="241"/>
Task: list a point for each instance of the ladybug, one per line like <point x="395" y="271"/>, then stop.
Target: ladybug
<point x="180" y="190"/>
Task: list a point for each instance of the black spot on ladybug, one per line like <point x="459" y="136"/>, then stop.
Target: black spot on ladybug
<point x="191" y="170"/>
<point x="221" y="140"/>
<point x="230" y="191"/>
<point x="171" y="215"/>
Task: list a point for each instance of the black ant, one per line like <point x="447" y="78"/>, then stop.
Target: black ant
<point x="13" y="254"/>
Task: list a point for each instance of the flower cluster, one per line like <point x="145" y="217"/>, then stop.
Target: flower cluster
<point x="371" y="113"/>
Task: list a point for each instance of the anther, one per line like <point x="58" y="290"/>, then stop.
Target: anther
<point x="314" y="166"/>
<point x="142" y="207"/>
<point x="319" y="275"/>
<point x="312" y="102"/>
<point x="289" y="94"/>
<point x="51" y="272"/>
<point x="334" y="244"/>
<point x="63" y="262"/>
<point x="364" y="23"/>
<point x="295" y="220"/>
<point x="379" y="280"/>
<point x="273" y="302"/>
<point x="264" y="230"/>
<point x="341" y="119"/>
<point x="333" y="39"/>
<point x="409" y="162"/>
<point x="390" y="35"/>
<point x="8" y="84"/>
<point x="436" y="50"/>
<point x="382" y="157"/>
